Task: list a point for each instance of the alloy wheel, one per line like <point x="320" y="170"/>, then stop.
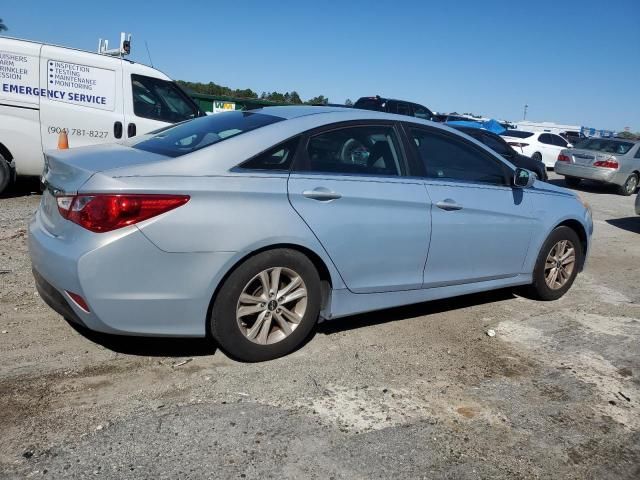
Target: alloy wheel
<point x="272" y="305"/>
<point x="560" y="264"/>
<point x="632" y="184"/>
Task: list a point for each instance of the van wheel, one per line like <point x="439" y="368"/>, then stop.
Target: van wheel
<point x="557" y="265"/>
<point x="5" y="174"/>
<point x="267" y="307"/>
<point x="629" y="186"/>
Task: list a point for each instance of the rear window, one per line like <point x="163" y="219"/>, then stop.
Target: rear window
<point x="606" y="146"/>
<point x="516" y="133"/>
<point x="193" y="135"/>
<point x="370" y="104"/>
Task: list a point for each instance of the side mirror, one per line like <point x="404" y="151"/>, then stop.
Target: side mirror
<point x="523" y="178"/>
<point x="569" y="145"/>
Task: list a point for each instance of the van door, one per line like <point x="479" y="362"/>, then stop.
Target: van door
<point x="83" y="97"/>
<point x="153" y="101"/>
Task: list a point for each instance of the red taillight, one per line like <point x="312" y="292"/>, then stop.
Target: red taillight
<point x="608" y="163"/>
<point x="78" y="300"/>
<point x="518" y="144"/>
<point x="103" y="212"/>
<point x="563" y="158"/>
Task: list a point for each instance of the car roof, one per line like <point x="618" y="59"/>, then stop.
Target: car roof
<point x="338" y="113"/>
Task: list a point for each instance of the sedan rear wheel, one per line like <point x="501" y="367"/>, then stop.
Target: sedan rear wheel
<point x="267" y="306"/>
<point x="630" y="185"/>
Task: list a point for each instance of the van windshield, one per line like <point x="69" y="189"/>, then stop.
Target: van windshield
<point x="187" y="137"/>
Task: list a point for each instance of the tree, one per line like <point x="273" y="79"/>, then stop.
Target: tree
<point x="319" y="100"/>
<point x="348" y="102"/>
<point x="3" y="27"/>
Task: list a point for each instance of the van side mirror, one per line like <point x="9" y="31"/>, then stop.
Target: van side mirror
<point x="523" y="178"/>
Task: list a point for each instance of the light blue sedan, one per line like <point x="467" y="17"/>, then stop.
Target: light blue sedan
<point x="250" y="226"/>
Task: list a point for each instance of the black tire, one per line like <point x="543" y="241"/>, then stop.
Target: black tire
<point x="224" y="325"/>
<point x="537" y="156"/>
<point x="572" y="182"/>
<point x="5" y="174"/>
<point x="630" y="185"/>
<point x="539" y="288"/>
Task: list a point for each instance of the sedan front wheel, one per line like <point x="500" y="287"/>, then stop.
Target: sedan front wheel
<point x="557" y="264"/>
<point x="267" y="306"/>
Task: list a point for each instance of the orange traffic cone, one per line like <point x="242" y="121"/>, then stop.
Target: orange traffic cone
<point x="63" y="140"/>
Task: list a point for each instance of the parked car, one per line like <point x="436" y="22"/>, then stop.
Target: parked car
<point x="572" y="137"/>
<point x="249" y="226"/>
<point x="389" y="105"/>
<point x="501" y="147"/>
<point x="541" y="146"/>
<point x="606" y="160"/>
<point x="445" y="117"/>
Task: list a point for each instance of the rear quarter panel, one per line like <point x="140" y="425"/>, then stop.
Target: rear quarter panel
<point x="237" y="213"/>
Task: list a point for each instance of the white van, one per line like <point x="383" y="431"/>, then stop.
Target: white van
<point x="96" y="98"/>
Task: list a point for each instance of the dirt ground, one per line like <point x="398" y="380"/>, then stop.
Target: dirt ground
<point x="415" y="392"/>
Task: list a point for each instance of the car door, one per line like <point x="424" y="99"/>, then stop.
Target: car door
<point x="547" y="149"/>
<point x="348" y="184"/>
<point x="151" y="102"/>
<point x="480" y="225"/>
<point x="83" y="96"/>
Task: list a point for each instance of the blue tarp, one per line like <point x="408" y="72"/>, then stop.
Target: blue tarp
<point x="491" y="125"/>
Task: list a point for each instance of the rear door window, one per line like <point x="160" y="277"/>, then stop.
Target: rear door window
<point x="558" y="141"/>
<point x="546" y="139"/>
<point x="359" y="150"/>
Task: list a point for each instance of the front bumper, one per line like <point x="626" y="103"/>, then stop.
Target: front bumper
<point x="605" y="175"/>
<point x="130" y="285"/>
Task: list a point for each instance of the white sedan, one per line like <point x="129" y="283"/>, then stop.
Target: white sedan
<point x="542" y="146"/>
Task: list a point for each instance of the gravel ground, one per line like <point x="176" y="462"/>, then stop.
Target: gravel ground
<point x="414" y="392"/>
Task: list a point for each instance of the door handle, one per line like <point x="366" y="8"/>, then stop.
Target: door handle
<point x="117" y="129"/>
<point x="448" y="204"/>
<point x="322" y="194"/>
<point x="131" y="130"/>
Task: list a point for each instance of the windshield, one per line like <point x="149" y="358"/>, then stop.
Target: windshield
<point x="516" y="133"/>
<point x="604" y="145"/>
<point x="161" y="100"/>
<point x="188" y="137"/>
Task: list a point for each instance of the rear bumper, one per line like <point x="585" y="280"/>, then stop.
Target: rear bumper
<point x="130" y="285"/>
<point x="55" y="299"/>
<point x="606" y="175"/>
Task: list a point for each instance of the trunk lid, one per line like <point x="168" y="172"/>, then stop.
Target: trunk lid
<point x="581" y="156"/>
<point x="66" y="171"/>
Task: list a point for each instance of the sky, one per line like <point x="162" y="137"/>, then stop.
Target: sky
<point x="572" y="61"/>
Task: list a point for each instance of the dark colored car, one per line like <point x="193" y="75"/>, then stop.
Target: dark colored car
<point x="389" y="105"/>
<point x="497" y="144"/>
